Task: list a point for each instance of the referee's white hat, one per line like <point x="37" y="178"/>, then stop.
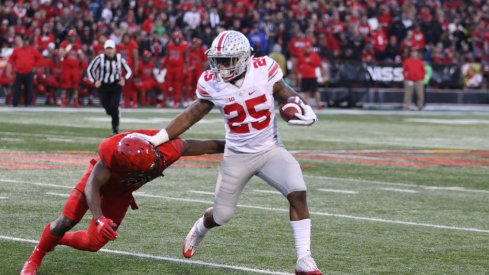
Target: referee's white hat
<point x="109" y="44"/>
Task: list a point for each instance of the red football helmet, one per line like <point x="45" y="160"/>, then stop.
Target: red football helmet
<point x="136" y="154"/>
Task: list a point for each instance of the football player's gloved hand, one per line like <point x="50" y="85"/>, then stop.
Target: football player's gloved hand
<point x="106" y="228"/>
<point x="307" y="119"/>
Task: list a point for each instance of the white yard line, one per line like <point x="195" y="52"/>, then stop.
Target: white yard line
<point x="36" y="183"/>
<point x="427" y="187"/>
<point x="66" y="137"/>
<point x="399" y="190"/>
<point x="139" y="194"/>
<point x="201" y="192"/>
<point x="3" y="198"/>
<point x="163" y="258"/>
<point x="449" y="121"/>
<point x="58" y="194"/>
<point x="338" y="191"/>
<point x="478" y="230"/>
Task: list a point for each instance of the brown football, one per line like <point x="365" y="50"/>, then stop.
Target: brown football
<point x="290" y="108"/>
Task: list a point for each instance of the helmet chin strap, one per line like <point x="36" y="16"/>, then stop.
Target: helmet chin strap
<point x="238" y="82"/>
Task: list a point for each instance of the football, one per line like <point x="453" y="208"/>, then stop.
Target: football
<point x="290" y="108"/>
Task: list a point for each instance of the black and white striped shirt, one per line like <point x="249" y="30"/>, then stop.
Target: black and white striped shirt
<point x="108" y="70"/>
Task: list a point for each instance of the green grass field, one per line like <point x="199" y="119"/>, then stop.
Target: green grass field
<point x="389" y="193"/>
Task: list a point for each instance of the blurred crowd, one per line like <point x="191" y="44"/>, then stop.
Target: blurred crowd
<point x="445" y="32"/>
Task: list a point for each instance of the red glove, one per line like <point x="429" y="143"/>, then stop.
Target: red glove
<point x="105" y="227"/>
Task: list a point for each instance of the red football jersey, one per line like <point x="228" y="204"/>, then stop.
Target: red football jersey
<point x="197" y="56"/>
<point x="72" y="58"/>
<point x="127" y="50"/>
<point x="40" y="66"/>
<point x="145" y="70"/>
<point x="55" y="69"/>
<point x="124" y="184"/>
<point x="175" y="54"/>
<point x="98" y="48"/>
<point x="44" y="40"/>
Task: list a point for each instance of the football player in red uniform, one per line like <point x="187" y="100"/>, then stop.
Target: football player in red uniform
<point x="54" y="77"/>
<point x="6" y="81"/>
<point x="145" y="80"/>
<point x="175" y="58"/>
<point x="197" y="61"/>
<point x="71" y="54"/>
<point x="128" y="48"/>
<point x="125" y="162"/>
<point x="40" y="74"/>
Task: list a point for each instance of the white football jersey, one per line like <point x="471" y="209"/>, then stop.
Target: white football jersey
<point x="249" y="110"/>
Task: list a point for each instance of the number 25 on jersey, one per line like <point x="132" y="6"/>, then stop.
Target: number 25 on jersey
<point x="236" y="124"/>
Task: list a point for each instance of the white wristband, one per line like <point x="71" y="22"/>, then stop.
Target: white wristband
<point x="160" y="137"/>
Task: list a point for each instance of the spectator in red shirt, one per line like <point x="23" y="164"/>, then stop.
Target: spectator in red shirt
<point x="306" y="67"/>
<point x="45" y="38"/>
<point x="23" y="59"/>
<point x="414" y="72"/>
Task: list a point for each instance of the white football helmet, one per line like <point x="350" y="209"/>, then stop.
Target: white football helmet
<point x="229" y="55"/>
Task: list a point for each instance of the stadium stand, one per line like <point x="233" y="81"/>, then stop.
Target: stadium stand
<point x="360" y="42"/>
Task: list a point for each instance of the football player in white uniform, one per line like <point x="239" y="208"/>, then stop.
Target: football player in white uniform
<point x="245" y="89"/>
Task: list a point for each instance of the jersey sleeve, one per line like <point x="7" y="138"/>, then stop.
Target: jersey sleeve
<point x="274" y="72"/>
<point x="171" y="150"/>
<point x="106" y="150"/>
<point x="203" y="90"/>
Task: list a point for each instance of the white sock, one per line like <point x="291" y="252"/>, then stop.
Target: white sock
<point x="302" y="236"/>
<point x="200" y="228"/>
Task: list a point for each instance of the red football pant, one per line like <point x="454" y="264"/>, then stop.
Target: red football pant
<point x="129" y="93"/>
<point x="146" y="85"/>
<point x="192" y="85"/>
<point x="76" y="206"/>
<point x="174" y="79"/>
<point x="70" y="79"/>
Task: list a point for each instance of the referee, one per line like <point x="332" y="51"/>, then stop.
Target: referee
<point x="105" y="71"/>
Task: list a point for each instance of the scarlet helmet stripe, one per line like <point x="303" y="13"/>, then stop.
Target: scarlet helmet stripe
<point x="221" y="41"/>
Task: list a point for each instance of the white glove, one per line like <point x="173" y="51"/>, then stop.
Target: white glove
<point x="307" y="119"/>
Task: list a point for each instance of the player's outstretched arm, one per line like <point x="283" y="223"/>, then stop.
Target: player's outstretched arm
<point x="99" y="177"/>
<point x="195" y="112"/>
<point x="193" y="147"/>
<point x="281" y="92"/>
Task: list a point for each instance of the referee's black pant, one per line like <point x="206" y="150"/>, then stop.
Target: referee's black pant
<point x="26" y="80"/>
<point x="110" y="97"/>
